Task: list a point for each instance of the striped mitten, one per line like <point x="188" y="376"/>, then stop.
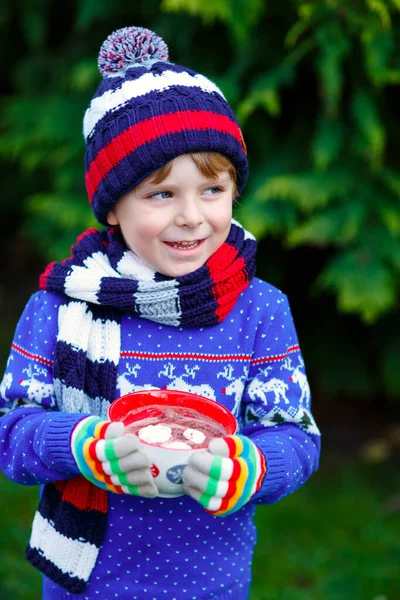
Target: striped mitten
<point x="110" y="459"/>
<point x="225" y="477"/>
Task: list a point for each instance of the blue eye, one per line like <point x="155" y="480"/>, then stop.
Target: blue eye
<point x="161" y="195"/>
<point x="214" y="190"/>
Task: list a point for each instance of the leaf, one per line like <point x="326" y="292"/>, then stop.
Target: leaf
<point x="55" y="220"/>
<point x="274" y="218"/>
<point x="41" y="129"/>
<point x="297" y="30"/>
<point x="308" y="190"/>
<point x="327" y="143"/>
<point x="264" y="93"/>
<point x="244" y="15"/>
<point x="390" y="216"/>
<point x="338" y="225"/>
<point x="378" y="46"/>
<point x="84" y="75"/>
<point x="390" y="250"/>
<point x="362" y="283"/>
<point x="389" y="360"/>
<point x="208" y="10"/>
<point x="366" y="116"/>
<point x="334" y="46"/>
<point x="241" y="15"/>
<point x="267" y="99"/>
<point x="392" y="180"/>
<point x="90" y="11"/>
<point x="380" y="9"/>
<point x="300" y="52"/>
<point x="34" y="23"/>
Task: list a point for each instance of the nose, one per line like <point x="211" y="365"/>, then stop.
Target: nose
<point x="189" y="213"/>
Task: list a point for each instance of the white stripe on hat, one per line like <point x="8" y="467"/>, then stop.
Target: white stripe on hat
<point x="59" y="549"/>
<point x="149" y="82"/>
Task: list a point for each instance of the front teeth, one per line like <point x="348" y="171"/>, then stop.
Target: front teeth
<point x="188" y="245"/>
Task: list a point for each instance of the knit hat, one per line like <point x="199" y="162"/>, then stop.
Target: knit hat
<point x="146" y="112"/>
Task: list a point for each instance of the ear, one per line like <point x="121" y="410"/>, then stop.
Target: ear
<point x="112" y="218"/>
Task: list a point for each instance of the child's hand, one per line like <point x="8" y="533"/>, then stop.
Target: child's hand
<point x="110" y="459"/>
<point x="226" y="476"/>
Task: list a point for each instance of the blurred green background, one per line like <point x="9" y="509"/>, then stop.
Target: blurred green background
<point x="316" y="88"/>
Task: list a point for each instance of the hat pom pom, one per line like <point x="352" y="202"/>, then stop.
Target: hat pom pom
<point x="130" y="46"/>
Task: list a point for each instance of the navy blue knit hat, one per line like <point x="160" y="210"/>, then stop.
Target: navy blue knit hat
<point x="146" y="112"/>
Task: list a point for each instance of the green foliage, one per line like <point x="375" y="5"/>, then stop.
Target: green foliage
<point x="241" y="15"/>
<point x="362" y="282"/>
<point x="343" y="169"/>
<point x="314" y="86"/>
<point x="17" y="579"/>
<point x="57" y="219"/>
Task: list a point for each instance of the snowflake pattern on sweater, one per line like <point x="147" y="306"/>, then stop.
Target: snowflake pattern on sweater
<point x="250" y="362"/>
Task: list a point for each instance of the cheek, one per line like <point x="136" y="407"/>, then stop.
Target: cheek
<point x="143" y="235"/>
<point x="139" y="222"/>
<point x="222" y="219"/>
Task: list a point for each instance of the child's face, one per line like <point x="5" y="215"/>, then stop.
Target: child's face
<point x="175" y="226"/>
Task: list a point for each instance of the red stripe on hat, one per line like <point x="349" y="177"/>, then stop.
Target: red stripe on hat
<point x="229" y="277"/>
<point x="145" y="131"/>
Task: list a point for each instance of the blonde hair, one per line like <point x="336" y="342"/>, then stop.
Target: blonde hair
<point x="210" y="165"/>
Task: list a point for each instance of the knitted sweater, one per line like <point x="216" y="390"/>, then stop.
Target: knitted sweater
<point x="172" y="548"/>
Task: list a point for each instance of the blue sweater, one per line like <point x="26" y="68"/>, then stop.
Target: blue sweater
<point x="172" y="548"/>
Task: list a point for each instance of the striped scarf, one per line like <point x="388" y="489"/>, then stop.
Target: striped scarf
<point x="103" y="272"/>
<point x="101" y="280"/>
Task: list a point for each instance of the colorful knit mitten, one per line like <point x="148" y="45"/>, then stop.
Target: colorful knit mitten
<point x="111" y="460"/>
<point x="225" y="477"/>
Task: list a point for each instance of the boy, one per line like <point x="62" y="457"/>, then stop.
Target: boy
<point x="164" y="298"/>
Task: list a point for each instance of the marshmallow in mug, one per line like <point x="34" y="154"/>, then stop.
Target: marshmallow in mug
<point x="174" y="427"/>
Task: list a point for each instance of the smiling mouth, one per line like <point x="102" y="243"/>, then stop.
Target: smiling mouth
<point x="184" y="245"/>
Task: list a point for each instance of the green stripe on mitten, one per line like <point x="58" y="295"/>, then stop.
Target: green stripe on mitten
<point x="226" y="476"/>
<point x="111" y="459"/>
